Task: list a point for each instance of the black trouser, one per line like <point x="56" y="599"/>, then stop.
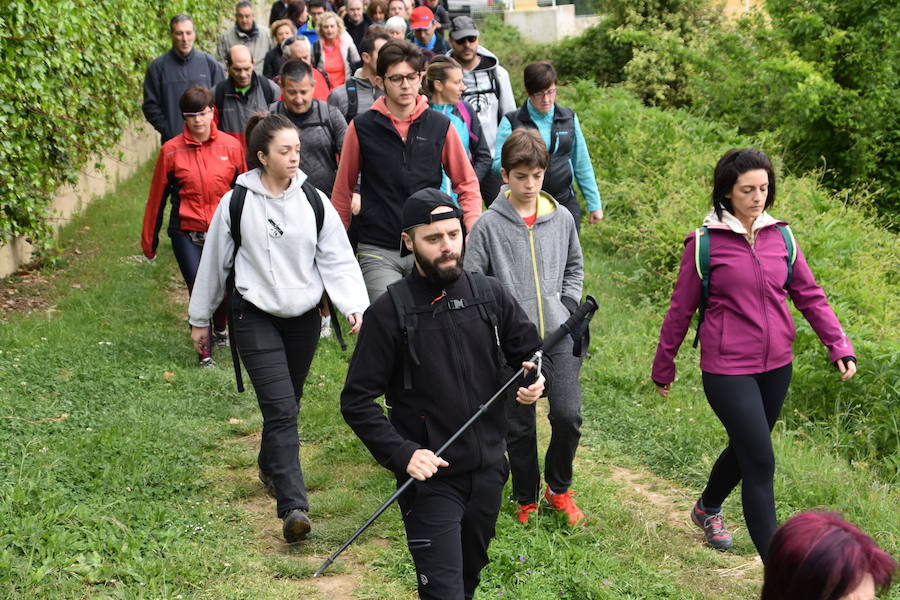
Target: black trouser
<point x="449" y="523"/>
<point x="188" y="254"/>
<point x="277" y="353"/>
<point x="565" y="431"/>
<point x="570" y="201"/>
<point x="748" y="406"/>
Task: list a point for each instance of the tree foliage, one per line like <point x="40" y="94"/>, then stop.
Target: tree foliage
<point x="72" y="73"/>
<point x="819" y="76"/>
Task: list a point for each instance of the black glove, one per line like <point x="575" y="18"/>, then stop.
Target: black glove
<point x="846" y="360"/>
<point x="581" y="335"/>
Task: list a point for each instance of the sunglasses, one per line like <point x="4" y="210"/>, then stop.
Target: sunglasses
<point x="471" y="39"/>
<point x="185" y="115"/>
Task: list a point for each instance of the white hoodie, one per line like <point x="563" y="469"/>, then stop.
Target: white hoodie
<point x="283" y="274"/>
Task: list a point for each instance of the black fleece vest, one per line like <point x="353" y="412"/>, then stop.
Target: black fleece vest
<point x="559" y="177"/>
<point x="393" y="170"/>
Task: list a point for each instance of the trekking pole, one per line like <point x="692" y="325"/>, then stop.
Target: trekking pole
<point x="582" y="313"/>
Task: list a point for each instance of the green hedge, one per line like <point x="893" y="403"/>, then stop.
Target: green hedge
<point x="655" y="174"/>
<point x="72" y="74"/>
<point x="654" y="170"/>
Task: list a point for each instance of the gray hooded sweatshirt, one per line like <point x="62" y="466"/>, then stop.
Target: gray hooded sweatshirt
<point x="538" y="265"/>
<point x="284" y="268"/>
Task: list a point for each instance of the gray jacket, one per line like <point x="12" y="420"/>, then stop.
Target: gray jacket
<point x="259" y="42"/>
<point x="322" y="130"/>
<point x="366" y="93"/>
<point x="501" y="245"/>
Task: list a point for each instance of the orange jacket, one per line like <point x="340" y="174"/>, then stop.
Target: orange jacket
<point x="195" y="176"/>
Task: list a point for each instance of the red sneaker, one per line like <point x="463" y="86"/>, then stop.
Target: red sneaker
<point x="564" y="504"/>
<point x="524" y="511"/>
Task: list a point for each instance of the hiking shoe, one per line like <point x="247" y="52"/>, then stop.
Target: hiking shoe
<point x="266" y="480"/>
<point x="296" y="526"/>
<point x="220" y="338"/>
<point x="564" y="504"/>
<point x="523" y="511"/>
<point x="207" y="363"/>
<point x="713" y="527"/>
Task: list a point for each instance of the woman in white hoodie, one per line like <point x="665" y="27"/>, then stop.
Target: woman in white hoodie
<point x="282" y="267"/>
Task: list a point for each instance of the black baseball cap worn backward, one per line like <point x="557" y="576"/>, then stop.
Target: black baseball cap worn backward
<point x="417" y="210"/>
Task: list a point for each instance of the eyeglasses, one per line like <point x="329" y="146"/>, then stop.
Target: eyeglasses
<point x="543" y="95"/>
<point x="410" y="78"/>
<point x="467" y="40"/>
<point x="185" y="115"/>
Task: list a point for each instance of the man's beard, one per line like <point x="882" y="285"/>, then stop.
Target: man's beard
<point x="444" y="274"/>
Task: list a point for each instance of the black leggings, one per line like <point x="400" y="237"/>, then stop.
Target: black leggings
<point x="748" y="406"/>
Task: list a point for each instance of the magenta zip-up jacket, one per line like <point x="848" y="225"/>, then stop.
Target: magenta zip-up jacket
<point x="748" y="326"/>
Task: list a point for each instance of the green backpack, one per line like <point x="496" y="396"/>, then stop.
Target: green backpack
<point x="701" y="263"/>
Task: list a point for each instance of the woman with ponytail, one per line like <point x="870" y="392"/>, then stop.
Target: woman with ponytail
<point x="444" y="87"/>
<point x="281" y="269"/>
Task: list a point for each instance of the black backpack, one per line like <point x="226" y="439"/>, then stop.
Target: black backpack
<point x="352" y="98"/>
<point x="408" y="313"/>
<point x="235" y="210"/>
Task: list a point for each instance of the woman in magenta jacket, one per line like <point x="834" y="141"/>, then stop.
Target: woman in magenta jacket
<point x="746" y="338"/>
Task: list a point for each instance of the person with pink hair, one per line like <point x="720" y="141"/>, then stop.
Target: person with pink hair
<point x="820" y="556"/>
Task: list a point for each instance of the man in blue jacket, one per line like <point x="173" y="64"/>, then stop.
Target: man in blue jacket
<point x="172" y="73"/>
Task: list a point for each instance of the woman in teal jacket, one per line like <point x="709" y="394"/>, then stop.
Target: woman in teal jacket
<point x="570" y="161"/>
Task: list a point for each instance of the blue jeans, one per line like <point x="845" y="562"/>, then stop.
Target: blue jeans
<point x="188" y="254"/>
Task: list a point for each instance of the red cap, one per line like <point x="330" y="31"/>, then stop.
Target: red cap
<point x="421" y="18"/>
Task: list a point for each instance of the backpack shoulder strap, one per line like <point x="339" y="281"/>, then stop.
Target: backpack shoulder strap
<point x="701" y="264"/>
<point x="219" y="94"/>
<point x="312" y="195"/>
<point x="235" y="209"/>
<point x="791" y="244"/>
<point x="316" y="53"/>
<point x="467" y="119"/>
<point x="401" y="296"/>
<point x="352" y="98"/>
<point x="268" y="92"/>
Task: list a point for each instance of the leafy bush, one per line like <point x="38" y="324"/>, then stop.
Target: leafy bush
<point x="70" y="86"/>
<point x="655" y="174"/>
<point x="820" y="78"/>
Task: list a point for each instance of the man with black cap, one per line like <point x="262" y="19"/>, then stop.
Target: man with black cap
<point x="488" y="89"/>
<point x="433" y="346"/>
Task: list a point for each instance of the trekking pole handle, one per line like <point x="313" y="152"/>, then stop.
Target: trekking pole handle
<point x="585" y="311"/>
<point x="582" y="312"/>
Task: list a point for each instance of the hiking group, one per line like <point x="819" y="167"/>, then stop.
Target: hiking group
<point x="336" y="166"/>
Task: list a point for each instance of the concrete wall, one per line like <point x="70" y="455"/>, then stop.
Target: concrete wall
<point x="139" y="142"/>
<point x="545" y="23"/>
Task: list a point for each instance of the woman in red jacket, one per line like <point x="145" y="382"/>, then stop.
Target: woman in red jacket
<point x="193" y="171"/>
<point x="746" y="338"/>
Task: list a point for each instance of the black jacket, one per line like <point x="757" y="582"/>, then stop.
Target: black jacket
<point x="459" y="371"/>
<point x="392" y="170"/>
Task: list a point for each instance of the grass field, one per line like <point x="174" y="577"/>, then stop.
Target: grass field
<point x="126" y="472"/>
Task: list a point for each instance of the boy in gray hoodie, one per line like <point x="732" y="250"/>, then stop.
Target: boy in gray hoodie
<point x="531" y="245"/>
